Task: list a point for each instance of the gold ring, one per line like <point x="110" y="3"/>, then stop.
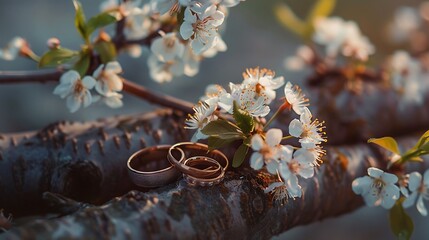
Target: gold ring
<point x="196" y="149"/>
<point x="150" y="168"/>
<point x="203" y="182"/>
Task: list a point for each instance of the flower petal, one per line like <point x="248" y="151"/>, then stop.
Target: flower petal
<point x="273" y="137"/>
<point x="114" y="66"/>
<point x="390" y="194"/>
<point x="414" y="181"/>
<point x="284" y="171"/>
<point x="186" y="30"/>
<point x="410" y="200"/>
<point x="295" y="128"/>
<point x="73" y="103"/>
<point x="389" y="178"/>
<point x="273" y="186"/>
<point x="272" y="166"/>
<point x="88" y="82"/>
<point x="362" y="185"/>
<point x="257" y="142"/>
<point x="306" y="171"/>
<point x="256" y="161"/>
<point x="421" y="206"/>
<point x="375" y="172"/>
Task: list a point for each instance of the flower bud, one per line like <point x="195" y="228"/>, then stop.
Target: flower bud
<point x="53" y="43"/>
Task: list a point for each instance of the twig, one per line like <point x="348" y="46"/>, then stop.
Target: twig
<point x="157" y="98"/>
<point x="43" y="76"/>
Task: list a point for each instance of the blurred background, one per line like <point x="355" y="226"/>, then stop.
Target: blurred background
<point x="254" y="38"/>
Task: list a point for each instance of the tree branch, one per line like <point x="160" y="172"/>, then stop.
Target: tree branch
<point x="238" y="207"/>
<point x="44" y="76"/>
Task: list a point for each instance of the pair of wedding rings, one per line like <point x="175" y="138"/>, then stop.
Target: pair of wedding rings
<point x="160" y="165"/>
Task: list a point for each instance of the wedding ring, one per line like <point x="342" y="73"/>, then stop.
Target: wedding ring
<point x="204" y="163"/>
<point x="150" y="168"/>
<point x="203" y="182"/>
<point x="191" y="149"/>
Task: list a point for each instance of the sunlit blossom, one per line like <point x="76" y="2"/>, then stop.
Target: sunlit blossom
<point x="202" y="116"/>
<point x="201" y="28"/>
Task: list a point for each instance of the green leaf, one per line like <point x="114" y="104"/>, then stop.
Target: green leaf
<point x="423" y="140"/>
<point x="57" y="57"/>
<point x="400" y="223"/>
<point x="222" y="129"/>
<point x="80" y="20"/>
<point x="106" y="50"/>
<point x="244" y="120"/>
<point x="424" y="147"/>
<point x="387" y="143"/>
<point x="321" y="8"/>
<point x="215" y="143"/>
<point x="416" y="159"/>
<point x="240" y="155"/>
<point x="82" y="65"/>
<point x="98" y="21"/>
<point x="289" y="20"/>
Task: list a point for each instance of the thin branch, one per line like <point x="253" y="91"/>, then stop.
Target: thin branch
<point x="39" y="76"/>
<point x="43" y="76"/>
<point x="157" y="98"/>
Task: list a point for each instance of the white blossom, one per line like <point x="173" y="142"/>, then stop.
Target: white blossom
<point x="138" y="23"/>
<point x="214" y="94"/>
<point x="167" y="47"/>
<point x="111" y="99"/>
<point x="338" y="35"/>
<point x="405" y="76"/>
<point x="191" y="62"/>
<point x="107" y="78"/>
<point x="355" y="44"/>
<point x="164" y="71"/>
<point x="126" y="6"/>
<point x="75" y="90"/>
<point x="134" y="50"/>
<point x="304" y="56"/>
<point x="202" y="116"/>
<point x="266" y="150"/>
<point x="263" y="82"/>
<point x="219" y="47"/>
<point x="330" y="32"/>
<point x="405" y="21"/>
<point x="13" y="48"/>
<point x="246" y="99"/>
<point x="201" y="28"/>
<point x="309" y="132"/>
<point x="231" y="3"/>
<point x="419" y="190"/>
<point x="300" y="164"/>
<point x="164" y="6"/>
<point x="295" y="98"/>
<point x="378" y="188"/>
<point x="283" y="190"/>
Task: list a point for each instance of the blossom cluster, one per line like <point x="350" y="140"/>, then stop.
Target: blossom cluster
<point x="249" y="104"/>
<point x="105" y="80"/>
<point x="380" y="188"/>
<point x="338" y="38"/>
<point x="406" y="75"/>
<point x="175" y="53"/>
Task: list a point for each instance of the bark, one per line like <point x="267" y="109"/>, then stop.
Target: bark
<point x="84" y="161"/>
<point x="376" y="111"/>
<point x="237" y="208"/>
